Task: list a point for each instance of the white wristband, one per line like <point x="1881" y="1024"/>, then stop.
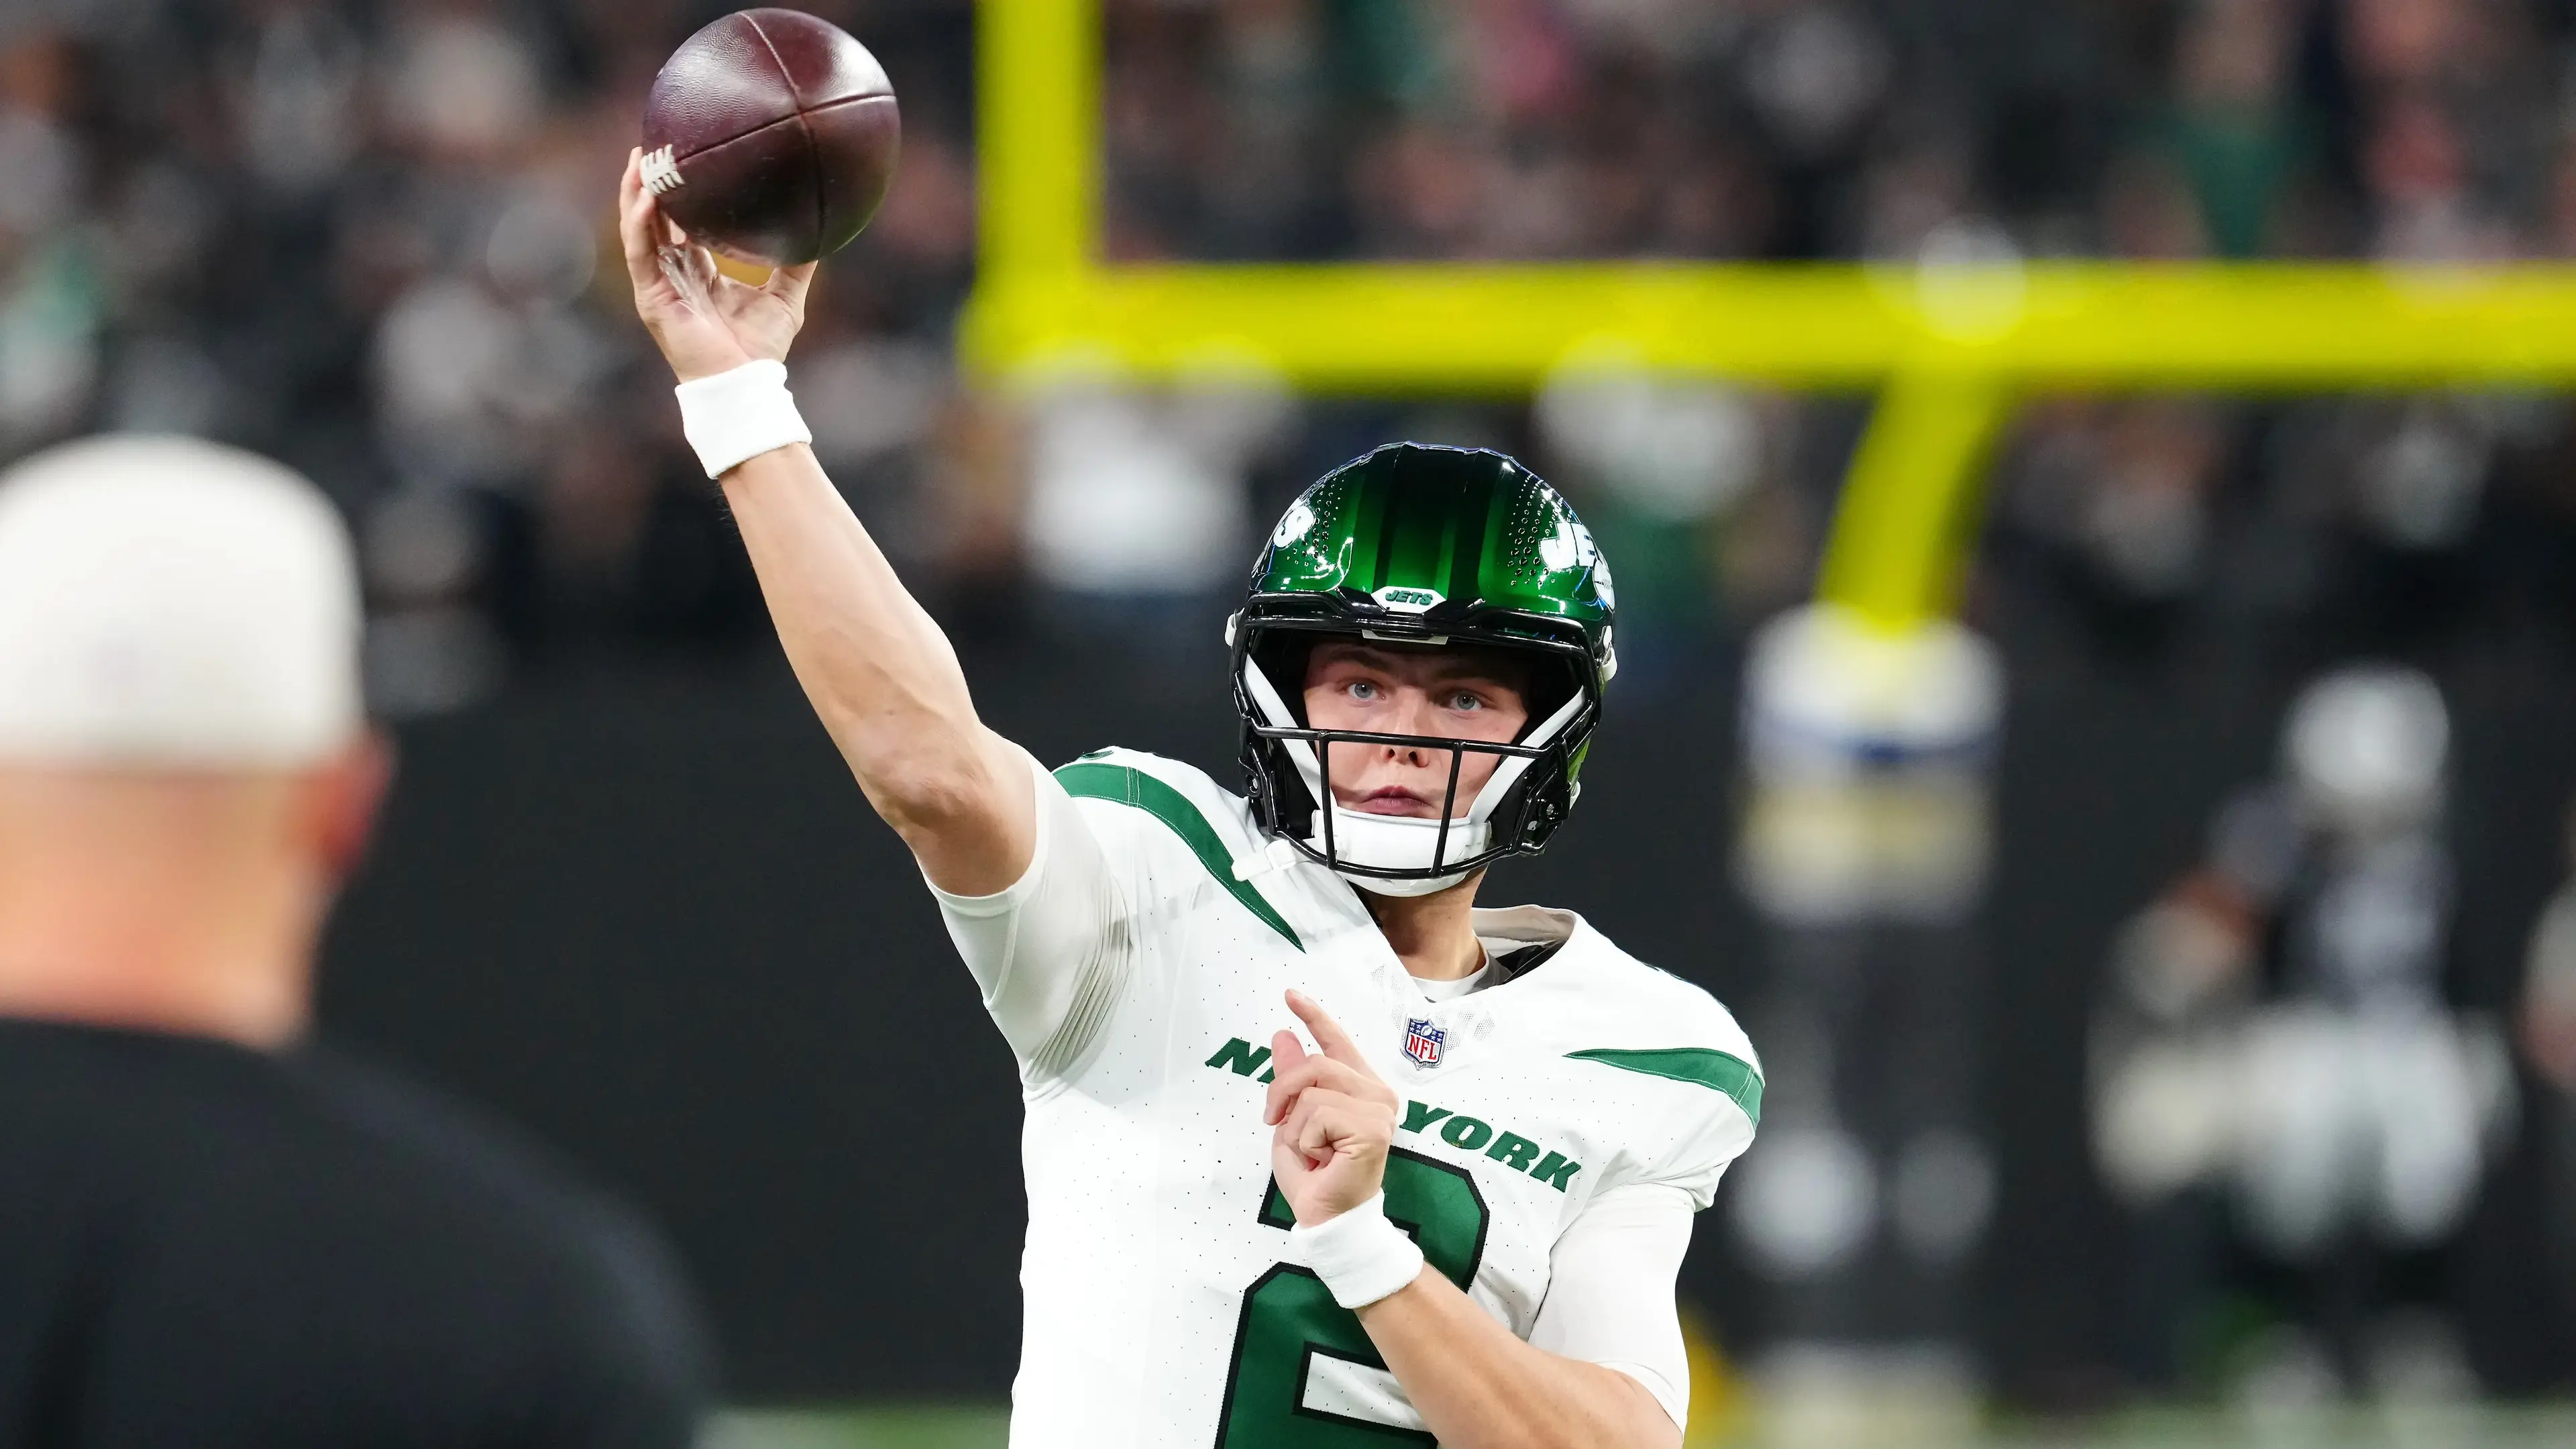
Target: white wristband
<point x="740" y="414"/>
<point x="1360" y="1255"/>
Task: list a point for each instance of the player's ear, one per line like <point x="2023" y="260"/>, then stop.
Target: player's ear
<point x="344" y="795"/>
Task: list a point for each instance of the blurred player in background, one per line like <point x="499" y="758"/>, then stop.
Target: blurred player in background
<point x="2546" y="1026"/>
<point x="212" y="1234"/>
<point x="2277" y="1064"/>
<point x="1428" y="627"/>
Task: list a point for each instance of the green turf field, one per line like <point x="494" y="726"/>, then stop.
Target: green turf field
<point x="888" y="1428"/>
<point x="2417" y="1426"/>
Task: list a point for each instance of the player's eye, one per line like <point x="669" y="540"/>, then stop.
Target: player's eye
<point x="1363" y="689"/>
<point x="1465" y="703"/>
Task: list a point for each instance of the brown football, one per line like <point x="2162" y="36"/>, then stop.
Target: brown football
<point x="771" y="136"/>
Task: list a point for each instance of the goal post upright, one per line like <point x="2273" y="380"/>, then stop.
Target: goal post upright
<point x="1038" y="151"/>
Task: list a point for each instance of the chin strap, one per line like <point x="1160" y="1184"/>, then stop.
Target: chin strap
<point x="1399" y="842"/>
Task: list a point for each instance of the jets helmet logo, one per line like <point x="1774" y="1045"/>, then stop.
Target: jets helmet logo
<point x="1298" y="522"/>
<point x="1570" y="547"/>
<point x="1406" y="598"/>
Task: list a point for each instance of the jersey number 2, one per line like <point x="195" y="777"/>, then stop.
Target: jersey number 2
<point x="1304" y="1373"/>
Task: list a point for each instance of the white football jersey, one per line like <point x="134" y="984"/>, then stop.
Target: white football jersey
<point x="1161" y="1308"/>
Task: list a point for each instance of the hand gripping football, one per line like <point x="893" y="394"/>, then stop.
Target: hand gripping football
<point x="771" y="136"/>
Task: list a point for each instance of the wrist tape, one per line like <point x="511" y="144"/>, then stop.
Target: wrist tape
<point x="740" y="414"/>
<point x="1360" y="1255"/>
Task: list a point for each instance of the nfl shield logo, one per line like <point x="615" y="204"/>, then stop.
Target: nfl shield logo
<point x="1422" y="1042"/>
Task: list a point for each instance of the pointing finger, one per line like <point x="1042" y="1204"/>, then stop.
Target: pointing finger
<point x="1335" y="1042"/>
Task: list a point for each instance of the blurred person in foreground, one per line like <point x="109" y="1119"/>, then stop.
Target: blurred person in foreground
<point x="211" y="1232"/>
<point x="1227" y="1243"/>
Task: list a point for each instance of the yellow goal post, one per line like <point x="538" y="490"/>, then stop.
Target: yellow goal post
<point x="1948" y="350"/>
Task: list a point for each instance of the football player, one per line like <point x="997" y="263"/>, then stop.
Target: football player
<point x="1459" y="1213"/>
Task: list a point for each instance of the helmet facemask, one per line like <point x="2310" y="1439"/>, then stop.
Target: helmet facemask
<point x="1431" y="547"/>
<point x="1531" y="787"/>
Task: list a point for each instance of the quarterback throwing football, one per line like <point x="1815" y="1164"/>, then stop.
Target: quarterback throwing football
<point x="1458" y="1215"/>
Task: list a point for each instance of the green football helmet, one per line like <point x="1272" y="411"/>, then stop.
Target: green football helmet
<point x="1423" y="545"/>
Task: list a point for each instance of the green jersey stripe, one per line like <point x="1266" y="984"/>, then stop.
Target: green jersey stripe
<point x="1702" y="1065"/>
<point x="1134" y="787"/>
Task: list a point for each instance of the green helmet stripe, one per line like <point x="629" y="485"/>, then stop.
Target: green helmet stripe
<point x="1414" y="538"/>
<point x="1483" y="512"/>
<point x="1468" y="525"/>
<point x="1370" y="530"/>
<point x="1412" y="532"/>
<point x="1448" y="560"/>
<point x="1427" y="537"/>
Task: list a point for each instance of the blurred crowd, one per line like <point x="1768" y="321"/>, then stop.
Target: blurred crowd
<point x="375" y="239"/>
<point x="2413" y="129"/>
<point x="372" y="237"/>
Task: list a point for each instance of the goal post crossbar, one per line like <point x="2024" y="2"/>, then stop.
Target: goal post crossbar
<point x="1948" y="351"/>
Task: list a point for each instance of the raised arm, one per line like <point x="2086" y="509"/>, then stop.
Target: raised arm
<point x="875" y="665"/>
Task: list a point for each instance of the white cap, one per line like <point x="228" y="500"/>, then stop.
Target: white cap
<point x="166" y="602"/>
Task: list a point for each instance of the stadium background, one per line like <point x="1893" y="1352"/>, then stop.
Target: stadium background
<point x="628" y="896"/>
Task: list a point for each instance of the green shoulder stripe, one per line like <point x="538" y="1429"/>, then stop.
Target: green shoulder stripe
<point x="1708" y="1068"/>
<point x="1130" y="786"/>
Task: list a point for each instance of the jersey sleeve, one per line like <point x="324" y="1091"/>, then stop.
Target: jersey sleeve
<point x="1713" y="1102"/>
<point x="1051" y="952"/>
<point x="1610" y="1290"/>
<point x="1708" y="1144"/>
